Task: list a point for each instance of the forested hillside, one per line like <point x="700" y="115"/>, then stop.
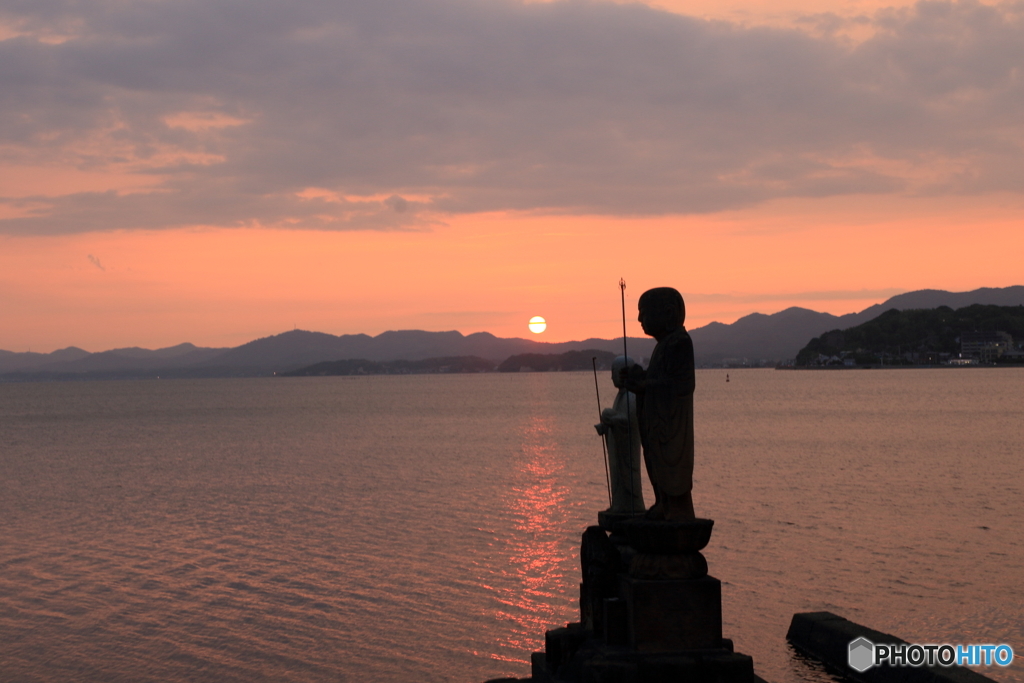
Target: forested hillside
<point x="921" y="336"/>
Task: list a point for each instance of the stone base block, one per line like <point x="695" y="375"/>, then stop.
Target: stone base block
<point x="539" y="668"/>
<point x="714" y="666"/>
<point x="672" y="615"/>
<point x="612" y="521"/>
<point x="695" y="666"/>
<point x="662" y="537"/>
<point x="602" y="565"/>
<point x="688" y="566"/>
<point x="616" y="633"/>
<point x="561" y="644"/>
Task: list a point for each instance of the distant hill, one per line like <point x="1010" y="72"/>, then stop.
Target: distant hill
<point x="562" y="362"/>
<point x="780" y="336"/>
<point x="296" y="349"/>
<point x="72" y="360"/>
<point x="758" y="337"/>
<point x="361" y="366"/>
<point x="913" y="336"/>
<point x="289" y="351"/>
<point x="933" y="298"/>
<point x="14" y="362"/>
<point x="754" y="337"/>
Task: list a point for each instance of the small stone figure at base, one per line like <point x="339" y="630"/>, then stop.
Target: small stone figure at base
<point x="621" y="431"/>
<point x="665" y="404"/>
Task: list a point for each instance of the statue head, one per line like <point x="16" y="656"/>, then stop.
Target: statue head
<point x="661" y="311"/>
<point x="618" y="364"/>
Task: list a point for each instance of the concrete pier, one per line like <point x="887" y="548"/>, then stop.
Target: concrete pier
<point x="827" y="637"/>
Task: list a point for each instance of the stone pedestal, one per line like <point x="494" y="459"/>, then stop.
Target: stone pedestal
<point x="670" y="615"/>
<point x="649" y="612"/>
<point x="612" y="521"/>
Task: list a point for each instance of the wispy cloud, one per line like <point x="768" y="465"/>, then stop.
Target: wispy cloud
<point x="407" y="110"/>
<point x="96" y="262"/>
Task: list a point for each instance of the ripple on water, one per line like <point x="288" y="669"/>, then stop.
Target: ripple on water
<point x="427" y="528"/>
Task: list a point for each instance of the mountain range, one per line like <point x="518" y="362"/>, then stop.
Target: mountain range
<point x="781" y="335"/>
<point x="756" y="337"/>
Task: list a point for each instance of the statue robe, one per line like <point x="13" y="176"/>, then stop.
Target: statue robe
<point x="666" y="414"/>
<point x="623" y="440"/>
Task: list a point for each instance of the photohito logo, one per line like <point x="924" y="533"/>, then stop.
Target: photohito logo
<point x="863" y="654"/>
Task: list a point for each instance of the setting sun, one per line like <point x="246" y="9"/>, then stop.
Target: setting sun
<point x="538" y="324"/>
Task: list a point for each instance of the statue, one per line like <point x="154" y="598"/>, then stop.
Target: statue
<point x="665" y="404"/>
<point x="621" y="431"/>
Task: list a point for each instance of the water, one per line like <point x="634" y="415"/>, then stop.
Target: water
<point x="425" y="528"/>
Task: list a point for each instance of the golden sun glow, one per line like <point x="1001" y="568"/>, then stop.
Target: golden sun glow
<point x="538" y="324"/>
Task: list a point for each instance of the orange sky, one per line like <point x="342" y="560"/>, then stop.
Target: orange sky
<point x="478" y="270"/>
<point x="223" y="287"/>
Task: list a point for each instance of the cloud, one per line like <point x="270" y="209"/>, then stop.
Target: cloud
<point x="96" y="262"/>
<point x="402" y="111"/>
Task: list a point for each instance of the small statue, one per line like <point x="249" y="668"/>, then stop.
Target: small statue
<point x="621" y="431"/>
<point x="665" y="404"/>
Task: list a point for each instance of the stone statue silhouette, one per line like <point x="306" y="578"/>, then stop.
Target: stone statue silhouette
<point x="665" y="404"/>
<point x="621" y="430"/>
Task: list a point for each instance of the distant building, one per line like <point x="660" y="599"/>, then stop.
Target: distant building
<point x="985" y="346"/>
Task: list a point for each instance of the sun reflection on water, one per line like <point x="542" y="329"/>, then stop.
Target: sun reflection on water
<point x="531" y="596"/>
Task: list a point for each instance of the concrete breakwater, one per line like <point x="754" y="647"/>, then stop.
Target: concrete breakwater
<point x="829" y="638"/>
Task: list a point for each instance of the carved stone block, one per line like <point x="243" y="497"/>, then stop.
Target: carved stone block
<point x="671" y="615"/>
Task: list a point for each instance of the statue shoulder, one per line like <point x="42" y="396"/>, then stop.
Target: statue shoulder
<point x="678" y="343"/>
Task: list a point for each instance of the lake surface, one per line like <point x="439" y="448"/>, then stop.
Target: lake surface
<point x="426" y="528"/>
